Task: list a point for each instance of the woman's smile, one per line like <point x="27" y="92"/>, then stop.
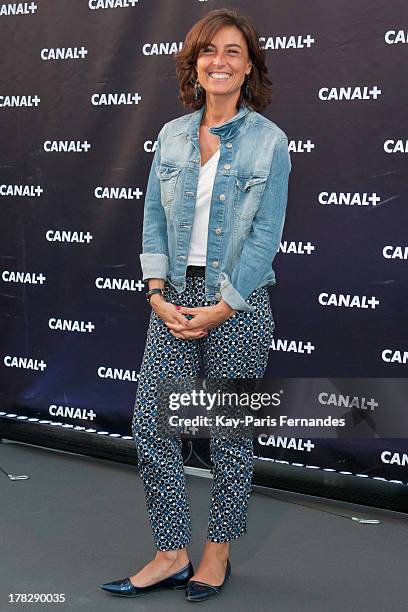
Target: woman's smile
<point x="219" y="76"/>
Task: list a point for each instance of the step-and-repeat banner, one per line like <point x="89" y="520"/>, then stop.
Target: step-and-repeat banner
<point x="86" y="85"/>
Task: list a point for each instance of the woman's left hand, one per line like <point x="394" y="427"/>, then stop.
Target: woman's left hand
<point x="204" y="317"/>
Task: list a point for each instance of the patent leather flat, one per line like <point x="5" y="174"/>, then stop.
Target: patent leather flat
<point x="199" y="591"/>
<point x="124" y="587"/>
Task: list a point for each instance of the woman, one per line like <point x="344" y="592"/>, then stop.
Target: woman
<point x="213" y="219"/>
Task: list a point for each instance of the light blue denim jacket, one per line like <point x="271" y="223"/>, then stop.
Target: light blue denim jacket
<point x="247" y="211"/>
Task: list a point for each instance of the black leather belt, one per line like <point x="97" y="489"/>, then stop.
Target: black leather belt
<point x="195" y="271"/>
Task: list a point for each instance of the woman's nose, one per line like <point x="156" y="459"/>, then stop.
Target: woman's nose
<point x="218" y="62"/>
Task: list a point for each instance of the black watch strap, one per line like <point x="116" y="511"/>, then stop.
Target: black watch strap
<point x="152" y="292"/>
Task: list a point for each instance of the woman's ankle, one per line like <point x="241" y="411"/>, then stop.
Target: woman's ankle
<point x="221" y="551"/>
<point x="173" y="555"/>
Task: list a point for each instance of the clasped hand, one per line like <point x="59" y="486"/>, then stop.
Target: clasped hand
<point x="203" y="318"/>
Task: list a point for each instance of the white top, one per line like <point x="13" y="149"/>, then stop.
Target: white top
<point x="197" y="252"/>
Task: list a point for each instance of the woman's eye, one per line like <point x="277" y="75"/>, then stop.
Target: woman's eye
<point x="209" y="50"/>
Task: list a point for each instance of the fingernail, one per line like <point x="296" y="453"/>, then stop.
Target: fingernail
<point x="178" y="307"/>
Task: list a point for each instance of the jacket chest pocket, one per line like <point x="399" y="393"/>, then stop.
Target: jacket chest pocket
<point x="168" y="176"/>
<point x="248" y="193"/>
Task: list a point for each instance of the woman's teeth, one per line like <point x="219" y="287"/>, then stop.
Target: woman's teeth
<point x="219" y="75"/>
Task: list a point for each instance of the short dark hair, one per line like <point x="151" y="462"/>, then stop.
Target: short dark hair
<point x="199" y="36"/>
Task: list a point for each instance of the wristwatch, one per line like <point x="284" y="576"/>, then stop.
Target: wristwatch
<point x="153" y="291"/>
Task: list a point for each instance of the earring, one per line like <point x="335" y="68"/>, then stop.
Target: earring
<point x="197" y="90"/>
<point x="247" y="90"/>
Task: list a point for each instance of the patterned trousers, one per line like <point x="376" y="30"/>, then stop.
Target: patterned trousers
<point x="238" y="348"/>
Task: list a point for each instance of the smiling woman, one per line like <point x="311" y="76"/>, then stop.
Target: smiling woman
<point x="231" y="46"/>
<point x="214" y="212"/>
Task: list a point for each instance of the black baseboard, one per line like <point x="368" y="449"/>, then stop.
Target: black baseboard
<point x="267" y="474"/>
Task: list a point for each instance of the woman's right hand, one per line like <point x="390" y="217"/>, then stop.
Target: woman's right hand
<point x="168" y="313"/>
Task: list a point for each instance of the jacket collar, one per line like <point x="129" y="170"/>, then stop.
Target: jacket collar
<point x="227" y="130"/>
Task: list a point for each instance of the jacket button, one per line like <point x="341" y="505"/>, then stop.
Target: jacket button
<point x="215" y="264"/>
<point x="218" y="231"/>
<point x="227" y="166"/>
<point x="218" y="295"/>
<point x="229" y="145"/>
<point x="222" y="196"/>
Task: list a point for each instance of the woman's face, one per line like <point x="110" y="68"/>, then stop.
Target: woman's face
<point x="222" y="65"/>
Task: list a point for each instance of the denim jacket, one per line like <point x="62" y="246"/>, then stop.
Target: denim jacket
<point x="247" y="210"/>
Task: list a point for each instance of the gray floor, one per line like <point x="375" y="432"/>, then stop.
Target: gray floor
<point x="78" y="522"/>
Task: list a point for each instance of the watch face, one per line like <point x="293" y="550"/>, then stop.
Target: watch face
<point x="152" y="292"/>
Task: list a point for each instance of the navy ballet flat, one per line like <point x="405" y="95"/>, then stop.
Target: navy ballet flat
<point x="124" y="587"/>
<point x="199" y="591"/>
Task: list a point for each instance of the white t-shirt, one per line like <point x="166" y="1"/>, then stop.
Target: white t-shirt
<point x="197" y="252"/>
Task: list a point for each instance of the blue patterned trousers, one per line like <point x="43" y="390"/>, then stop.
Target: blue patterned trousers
<point x="238" y="348"/>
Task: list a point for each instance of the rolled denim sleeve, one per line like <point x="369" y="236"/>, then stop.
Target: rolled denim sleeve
<point x="154" y="258"/>
<point x="263" y="240"/>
